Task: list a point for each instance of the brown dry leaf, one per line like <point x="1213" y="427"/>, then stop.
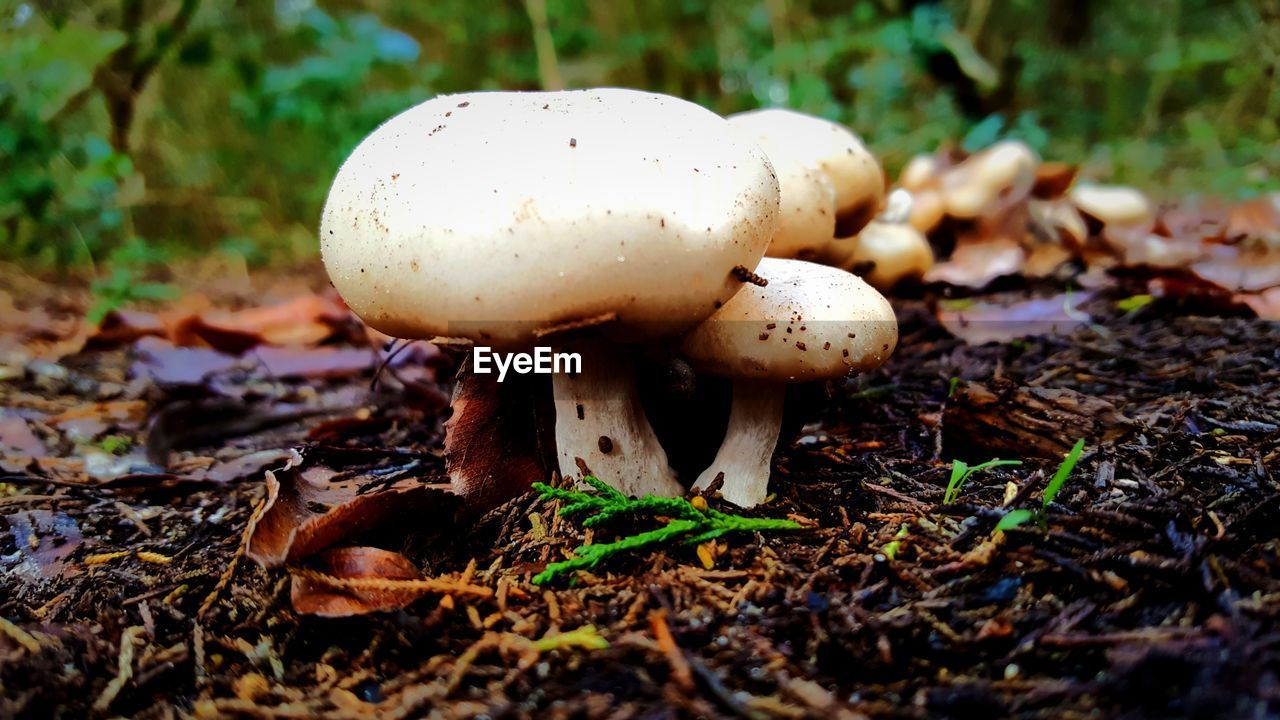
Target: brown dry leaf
<point x="1258" y="218"/>
<point x="976" y="264"/>
<point x="1053" y="179"/>
<point x="1266" y="303"/>
<point x="84" y="423"/>
<point x="318" y="363"/>
<point x="982" y="322"/>
<point x="164" y="363"/>
<point x="355" y="581"/>
<point x="1236" y="269"/>
<point x="306" y="320"/>
<point x="1045" y="259"/>
<point x="17" y="438"/>
<point x="249" y="465"/>
<point x="121" y="327"/>
<point x="309" y="509"/>
<point x="492" y="443"/>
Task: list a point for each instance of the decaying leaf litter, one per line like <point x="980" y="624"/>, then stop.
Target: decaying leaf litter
<point x="138" y="455"/>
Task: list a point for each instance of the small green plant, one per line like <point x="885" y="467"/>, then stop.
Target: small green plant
<point x="684" y="521"/>
<point x="1021" y="516"/>
<point x="1133" y="303"/>
<point x="123" y="287"/>
<point x="892" y="547"/>
<point x="962" y="471"/>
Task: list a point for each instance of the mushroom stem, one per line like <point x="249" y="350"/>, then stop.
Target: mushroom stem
<point x="599" y="419"/>
<point x="745" y="456"/>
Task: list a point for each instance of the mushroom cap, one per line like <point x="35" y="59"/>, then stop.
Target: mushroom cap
<point x="920" y="172"/>
<point x="811" y="322"/>
<point x="894" y="252"/>
<point x="1113" y="204"/>
<point x="488" y="215"/>
<point x="854" y="171"/>
<point x="927" y="210"/>
<point x="1003" y="172"/>
<point x="807" y="217"/>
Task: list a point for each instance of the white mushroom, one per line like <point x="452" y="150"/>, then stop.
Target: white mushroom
<point x="1127" y="217"/>
<point x="1114" y="205"/>
<point x="891" y="253"/>
<point x="832" y="148"/>
<point x="811" y="322"/>
<point x="492" y="215"/>
<point x="888" y="250"/>
<point x="996" y="177"/>
<point x="927" y="210"/>
<point x="807" y="217"/>
<point x="921" y="172"/>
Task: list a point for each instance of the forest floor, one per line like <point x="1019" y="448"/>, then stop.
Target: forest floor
<point x="1149" y="588"/>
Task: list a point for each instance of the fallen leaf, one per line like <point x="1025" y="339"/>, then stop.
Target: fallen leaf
<point x="1257" y="219"/>
<point x="306" y="320"/>
<point x="317" y="363"/>
<point x="164" y="363"/>
<point x="87" y="422"/>
<point x="982" y="322"/>
<point x="492" y="443"/>
<point x="121" y="327"/>
<point x="249" y="465"/>
<point x="188" y="424"/>
<point x="43" y="541"/>
<point x="17" y="438"/>
<point x="1266" y="303"/>
<point x="311" y="508"/>
<point x="1240" y="270"/>
<point x="325" y="588"/>
<point x="976" y="264"/>
<point x="1053" y="179"/>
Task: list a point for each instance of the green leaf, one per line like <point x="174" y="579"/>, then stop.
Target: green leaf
<point x="1014" y="518"/>
<point x="1134" y="302"/>
<point x="984" y="133"/>
<point x="960" y="472"/>
<point x="1064" y="471"/>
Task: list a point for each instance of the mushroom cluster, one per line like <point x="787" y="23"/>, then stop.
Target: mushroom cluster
<point x="605" y="221"/>
<point x="834" y="207"/>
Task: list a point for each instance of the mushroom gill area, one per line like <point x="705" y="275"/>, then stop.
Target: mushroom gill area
<point x="502" y="436"/>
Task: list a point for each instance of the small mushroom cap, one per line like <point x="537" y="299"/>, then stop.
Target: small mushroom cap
<point x="1003" y="172"/>
<point x="920" y="172"/>
<point x="489" y="215"/>
<point x="854" y="171"/>
<point x="893" y="252"/>
<point x="811" y="322"/>
<point x="1113" y="204"/>
<point x="927" y="210"/>
<point x="1061" y="220"/>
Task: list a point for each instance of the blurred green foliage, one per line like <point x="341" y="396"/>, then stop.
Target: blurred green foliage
<point x="197" y="126"/>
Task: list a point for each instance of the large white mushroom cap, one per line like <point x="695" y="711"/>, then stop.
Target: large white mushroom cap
<point x="811" y="322"/>
<point x="487" y="215"/>
<point x="854" y="171"/>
